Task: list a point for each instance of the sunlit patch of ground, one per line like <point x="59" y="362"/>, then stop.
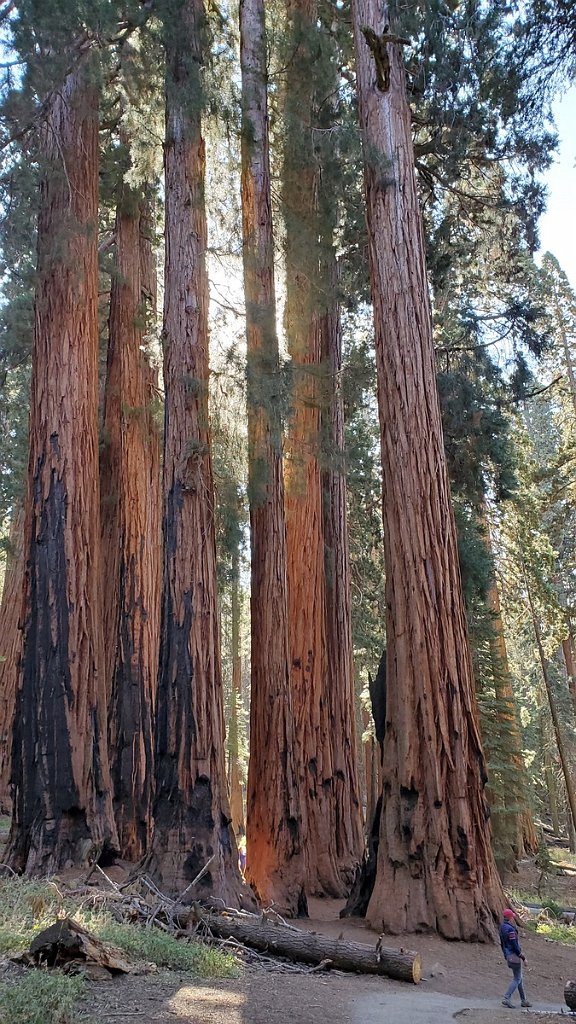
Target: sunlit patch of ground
<point x="201" y="1003"/>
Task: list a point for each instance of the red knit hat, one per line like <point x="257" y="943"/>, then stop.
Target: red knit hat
<point x="509" y="914"/>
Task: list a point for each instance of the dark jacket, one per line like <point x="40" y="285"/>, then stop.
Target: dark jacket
<point x="509" y="940"/>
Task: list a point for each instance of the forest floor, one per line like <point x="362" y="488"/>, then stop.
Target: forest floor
<point x="461" y="981"/>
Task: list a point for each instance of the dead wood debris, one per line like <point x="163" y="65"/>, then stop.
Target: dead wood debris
<point x="139" y="901"/>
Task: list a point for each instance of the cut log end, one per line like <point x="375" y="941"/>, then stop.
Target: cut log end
<point x="417" y="969"/>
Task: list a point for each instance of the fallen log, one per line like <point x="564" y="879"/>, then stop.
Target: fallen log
<point x="66" y="942"/>
<point x="310" y="948"/>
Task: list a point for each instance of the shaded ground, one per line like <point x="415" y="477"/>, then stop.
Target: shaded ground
<point x="461" y="981"/>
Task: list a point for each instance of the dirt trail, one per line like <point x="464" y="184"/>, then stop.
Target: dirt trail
<point x="460" y="981"/>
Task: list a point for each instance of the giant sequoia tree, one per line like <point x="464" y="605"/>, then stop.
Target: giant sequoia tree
<point x="62" y="804"/>
<point x="435" y="868"/>
<point x="191" y="812"/>
<point x="130" y="533"/>
<point x="274" y="821"/>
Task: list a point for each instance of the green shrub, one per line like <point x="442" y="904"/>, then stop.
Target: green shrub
<point x="154" y="946"/>
<point x="554" y="909"/>
<point x="26" y="907"/>
<point x="42" y="997"/>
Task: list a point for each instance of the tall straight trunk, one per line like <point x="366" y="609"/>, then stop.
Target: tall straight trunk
<point x="570" y="663"/>
<point x="554" y="713"/>
<point x="234" y="781"/>
<point x="549" y="778"/>
<point x="435" y="867"/>
<point x="348" y="837"/>
<point x="10" y="649"/>
<point x="516" y="795"/>
<point x="274" y="847"/>
<point x="62" y="798"/>
<point x="191" y="810"/>
<point x="130" y="540"/>
<point x="304" y="515"/>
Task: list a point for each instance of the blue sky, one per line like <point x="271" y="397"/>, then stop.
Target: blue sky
<point x="558" y="225"/>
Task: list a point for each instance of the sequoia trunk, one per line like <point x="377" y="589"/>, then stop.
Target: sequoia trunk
<point x="10" y="648"/>
<point x="348" y="838"/>
<point x="435" y="868"/>
<point x="192" y="815"/>
<point x="131" y="540"/>
<point x="62" y="800"/>
<point x="304" y="517"/>
<point x="517" y="810"/>
<point x="234" y="781"/>
<point x="274" y="839"/>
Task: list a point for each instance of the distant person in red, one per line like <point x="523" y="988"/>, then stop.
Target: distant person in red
<point x="514" y="958"/>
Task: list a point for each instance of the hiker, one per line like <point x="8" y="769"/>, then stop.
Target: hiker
<point x="514" y="958"/>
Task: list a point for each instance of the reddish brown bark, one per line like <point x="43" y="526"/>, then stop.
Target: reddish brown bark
<point x="10" y="648"/>
<point x="234" y="780"/>
<point x="304" y="309"/>
<point x="554" y="713"/>
<point x="274" y="839"/>
<point x="62" y="799"/>
<point x="435" y="868"/>
<point x="348" y="839"/>
<point x="191" y="811"/>
<point x="130" y="540"/>
<point x="517" y="807"/>
<point x="568" y="652"/>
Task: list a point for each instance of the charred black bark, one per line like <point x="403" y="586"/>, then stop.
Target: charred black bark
<point x="365" y="879"/>
<point x="48" y="811"/>
<point x="377" y="688"/>
<point x="132" y="715"/>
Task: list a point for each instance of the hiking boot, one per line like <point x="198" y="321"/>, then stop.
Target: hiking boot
<point x="525" y="1003"/>
<point x="509" y="1004"/>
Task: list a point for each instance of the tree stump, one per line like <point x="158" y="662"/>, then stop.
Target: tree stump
<point x="67" y="941"/>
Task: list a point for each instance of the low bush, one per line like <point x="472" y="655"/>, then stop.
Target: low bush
<point x="42" y="997"/>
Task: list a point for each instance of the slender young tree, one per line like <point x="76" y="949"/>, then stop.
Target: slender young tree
<point x="275" y="857"/>
<point x="62" y="798"/>
<point x="191" y="811"/>
<point x="130" y="535"/>
<point x="234" y="766"/>
<point x="435" y="867"/>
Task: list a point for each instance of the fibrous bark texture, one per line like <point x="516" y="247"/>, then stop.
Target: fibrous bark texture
<point x="435" y="867"/>
<point x="304" y="517"/>
<point x="10" y="648"/>
<point x="275" y="865"/>
<point x="348" y="838"/>
<point x="234" y="780"/>
<point x="517" y="812"/>
<point x="192" y="815"/>
<point x="62" y="800"/>
<point x="130" y="540"/>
